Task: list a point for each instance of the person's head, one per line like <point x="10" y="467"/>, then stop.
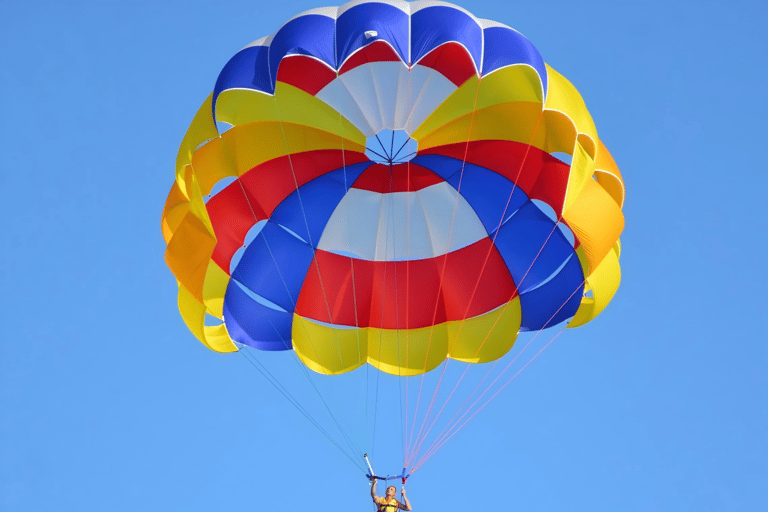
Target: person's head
<point x="391" y="491"/>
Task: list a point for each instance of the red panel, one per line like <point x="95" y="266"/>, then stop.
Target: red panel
<point x="452" y="61"/>
<point x="378" y="51"/>
<point x="232" y="217"/>
<point x="405" y="177"/>
<point x="536" y="172"/>
<point x="269" y="183"/>
<point x="405" y="294"/>
<point x="306" y="73"/>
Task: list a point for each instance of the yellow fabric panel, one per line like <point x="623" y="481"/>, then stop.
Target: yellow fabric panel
<point x="211" y="164"/>
<point x="604" y="281"/>
<point x="329" y="350"/>
<point x="196" y="203"/>
<point x="289" y="104"/>
<point x="188" y="253"/>
<point x="193" y="313"/>
<point x="507" y="85"/>
<point x="486" y="337"/>
<point x="408" y="352"/>
<point x="596" y="220"/>
<point x="251" y="144"/>
<point x="563" y="97"/>
<point x="332" y="350"/>
<point x="582" y="169"/>
<point x="519" y="122"/>
<point x="214" y="288"/>
<point x="173" y="212"/>
<point x="201" y="129"/>
<point x="608" y="174"/>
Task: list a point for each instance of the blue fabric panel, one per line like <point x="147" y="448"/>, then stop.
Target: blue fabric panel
<point x="522" y="237"/>
<point x="390" y="22"/>
<point x="433" y="26"/>
<point x="274" y="266"/>
<point x="306" y="35"/>
<point x="565" y="289"/>
<point x="487" y="192"/>
<point x="317" y="200"/>
<point x="248" y="69"/>
<point x="504" y="47"/>
<point x="253" y="324"/>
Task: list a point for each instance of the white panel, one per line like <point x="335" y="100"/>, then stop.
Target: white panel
<point x="401" y="226"/>
<point x="352" y="228"/>
<point x="338" y="96"/>
<point x="402" y="233"/>
<point x="449" y="231"/>
<point x="429" y="89"/>
<point x="359" y="82"/>
<point x="385" y="95"/>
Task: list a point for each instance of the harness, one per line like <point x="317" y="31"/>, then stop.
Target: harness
<point x="387" y="505"/>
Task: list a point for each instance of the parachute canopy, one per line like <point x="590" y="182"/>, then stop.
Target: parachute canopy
<point x="391" y="183"/>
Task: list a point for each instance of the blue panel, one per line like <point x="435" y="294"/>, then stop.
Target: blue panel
<point x="532" y="247"/>
<point x="562" y="293"/>
<point x="248" y="69"/>
<point x="491" y="195"/>
<point x="306" y="35"/>
<point x="312" y="204"/>
<point x="253" y="324"/>
<point x="433" y="26"/>
<point x="504" y="46"/>
<point x="390" y="22"/>
<point x="274" y="266"/>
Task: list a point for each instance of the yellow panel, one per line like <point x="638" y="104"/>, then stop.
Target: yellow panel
<point x="582" y="169"/>
<point x="596" y="220"/>
<point x="173" y="212"/>
<point x="193" y="313"/>
<point x="603" y="282"/>
<point x="211" y="164"/>
<point x="519" y="122"/>
<point x="608" y="174"/>
<point x="289" y="104"/>
<point x="332" y="350"/>
<point x="408" y="352"/>
<point x="511" y="84"/>
<point x="188" y="253"/>
<point x="486" y="337"/>
<point x="214" y="289"/>
<point x="563" y="97"/>
<point x="201" y="129"/>
<point x="251" y="144"/>
<point x="329" y="350"/>
<point x="196" y="203"/>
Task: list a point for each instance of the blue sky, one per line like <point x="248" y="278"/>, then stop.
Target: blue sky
<point x="108" y="402"/>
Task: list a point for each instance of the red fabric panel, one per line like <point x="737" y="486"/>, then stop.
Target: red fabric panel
<point x="306" y="73"/>
<point x="452" y="61"/>
<point x="232" y="217"/>
<point x="405" y="294"/>
<point x="405" y="177"/>
<point x="536" y="172"/>
<point x="269" y="183"/>
<point x="378" y="51"/>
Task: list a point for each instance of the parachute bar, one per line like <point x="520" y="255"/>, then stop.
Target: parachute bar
<point x="371" y="476"/>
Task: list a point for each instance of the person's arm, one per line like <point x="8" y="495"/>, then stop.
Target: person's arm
<point x="373" y="491"/>
<point x="407" y="505"/>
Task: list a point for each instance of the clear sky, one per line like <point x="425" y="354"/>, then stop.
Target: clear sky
<point x="107" y="402"/>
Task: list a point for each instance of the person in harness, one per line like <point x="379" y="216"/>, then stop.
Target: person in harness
<point x="388" y="503"/>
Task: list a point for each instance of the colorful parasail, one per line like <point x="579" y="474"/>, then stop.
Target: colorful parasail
<point x="391" y="183"/>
